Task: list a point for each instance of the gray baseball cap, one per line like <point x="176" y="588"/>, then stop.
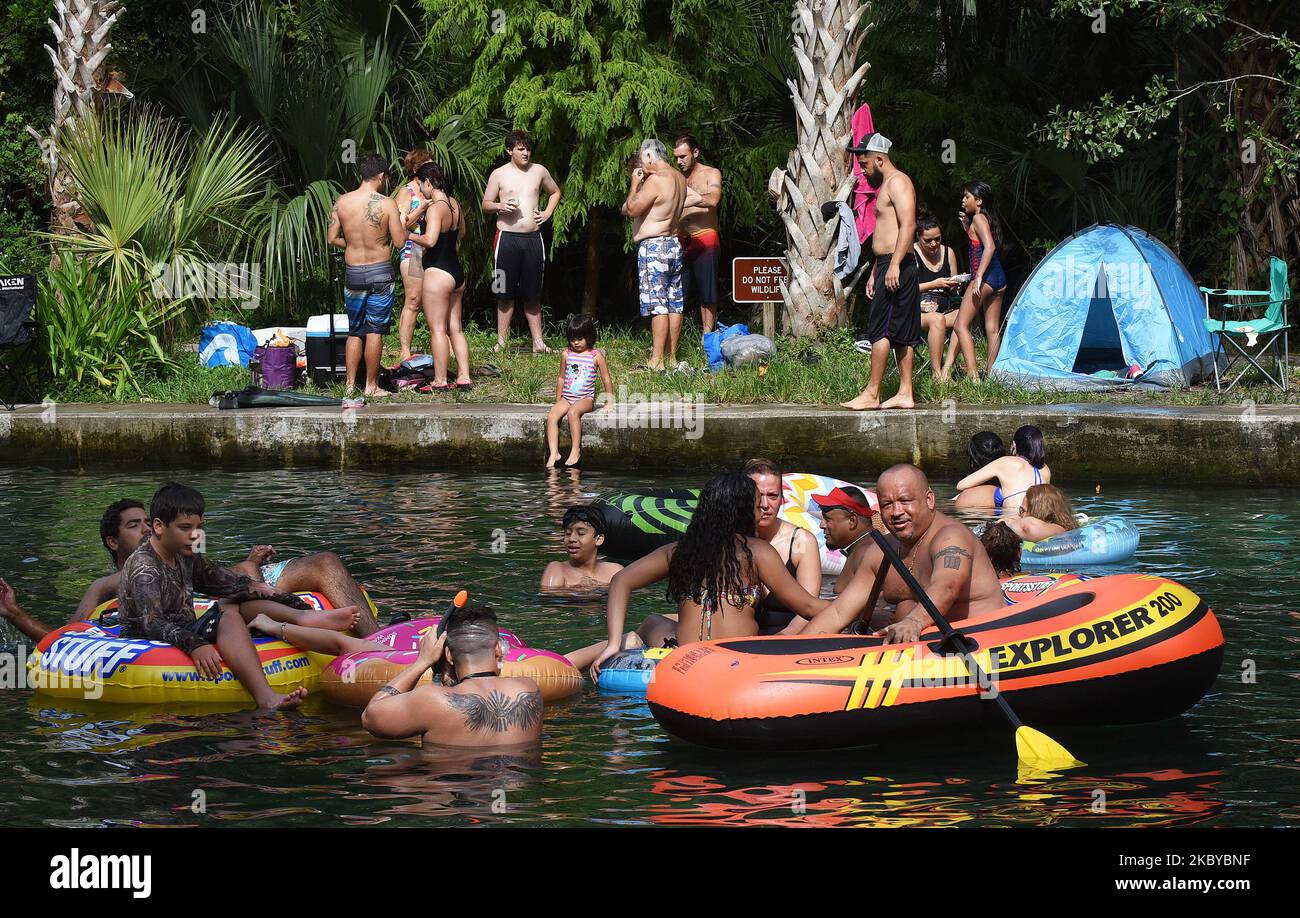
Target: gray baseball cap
<point x="872" y="143"/>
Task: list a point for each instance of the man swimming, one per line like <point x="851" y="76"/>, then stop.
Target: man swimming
<point x="584" y="534"/>
<point x="479" y="707"/>
<point x="655" y="197"/>
<point x="943" y="555"/>
<point x="366" y="224"/>
<point x="518" y="251"/>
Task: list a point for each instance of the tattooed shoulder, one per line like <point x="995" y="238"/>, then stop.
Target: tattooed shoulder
<point x="496" y="711"/>
<point x="375" y="209"/>
<point x="952" y="556"/>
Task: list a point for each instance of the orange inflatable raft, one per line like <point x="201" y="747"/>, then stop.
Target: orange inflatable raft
<point x="1124" y="649"/>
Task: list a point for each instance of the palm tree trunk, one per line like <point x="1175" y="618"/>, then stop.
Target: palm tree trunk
<point x="81" y="37"/>
<point x="826" y="42"/>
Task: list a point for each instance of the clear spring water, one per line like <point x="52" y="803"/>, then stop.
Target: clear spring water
<point x="413" y="538"/>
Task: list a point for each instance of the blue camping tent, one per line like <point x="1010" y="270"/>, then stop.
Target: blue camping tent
<point x="1105" y="300"/>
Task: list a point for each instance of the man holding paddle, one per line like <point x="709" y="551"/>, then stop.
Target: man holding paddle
<point x="938" y="550"/>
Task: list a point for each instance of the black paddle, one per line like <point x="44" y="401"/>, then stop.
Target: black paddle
<point x="1036" y="749"/>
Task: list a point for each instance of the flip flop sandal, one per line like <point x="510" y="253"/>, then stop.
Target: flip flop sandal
<point x="433" y="387"/>
<point x="462" y="386"/>
<point x="487" y="369"/>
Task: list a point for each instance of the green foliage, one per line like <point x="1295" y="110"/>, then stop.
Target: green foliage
<point x="591" y="80"/>
<point x="158" y="195"/>
<point x="97" y="335"/>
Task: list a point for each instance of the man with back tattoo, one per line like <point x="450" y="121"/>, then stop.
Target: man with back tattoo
<point x="475" y="706"/>
<point x="365" y="223"/>
<point x="944" y="556"/>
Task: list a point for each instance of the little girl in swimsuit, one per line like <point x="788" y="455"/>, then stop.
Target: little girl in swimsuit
<point x="1015" y="474"/>
<point x="575" y="389"/>
<point x="988" y="280"/>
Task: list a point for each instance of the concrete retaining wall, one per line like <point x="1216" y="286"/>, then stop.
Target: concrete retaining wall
<point x="1203" y="444"/>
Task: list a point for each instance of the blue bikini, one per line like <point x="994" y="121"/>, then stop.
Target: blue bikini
<point x="998" y="496"/>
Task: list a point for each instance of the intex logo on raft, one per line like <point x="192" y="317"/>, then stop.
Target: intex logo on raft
<point x="690" y="658"/>
<point x="103" y="871"/>
<point x="823" y="661"/>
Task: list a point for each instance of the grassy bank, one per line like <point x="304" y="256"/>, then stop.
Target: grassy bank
<point x="803" y="372"/>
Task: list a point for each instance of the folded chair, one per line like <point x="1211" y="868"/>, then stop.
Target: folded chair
<point x="17" y="336"/>
<point x="1251" y="339"/>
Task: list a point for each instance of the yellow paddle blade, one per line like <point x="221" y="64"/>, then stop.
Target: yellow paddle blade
<point x="1042" y="753"/>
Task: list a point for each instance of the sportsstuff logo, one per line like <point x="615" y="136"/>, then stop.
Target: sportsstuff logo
<point x="1028" y="585"/>
<point x="85" y="654"/>
<point x="823" y="661"/>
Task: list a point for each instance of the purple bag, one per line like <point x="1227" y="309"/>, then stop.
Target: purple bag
<point x="279" y="367"/>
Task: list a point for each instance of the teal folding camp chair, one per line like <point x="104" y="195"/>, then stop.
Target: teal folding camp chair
<point x="1272" y="326"/>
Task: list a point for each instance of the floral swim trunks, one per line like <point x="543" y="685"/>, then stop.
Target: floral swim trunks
<point x="659" y="265"/>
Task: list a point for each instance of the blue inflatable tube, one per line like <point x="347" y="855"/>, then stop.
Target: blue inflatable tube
<point x="1106" y="540"/>
<point x="628" y="672"/>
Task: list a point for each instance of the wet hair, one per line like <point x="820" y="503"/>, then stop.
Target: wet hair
<point x="583" y="513"/>
<point x="925" y="220"/>
<point x="1029" y="445"/>
<point x="519" y="138"/>
<point x="1049" y="504"/>
<point x="761" y="466"/>
<point x="472" y="630"/>
<point x="655" y="148"/>
<point x="371" y="166"/>
<point x="1002" y="546"/>
<point x="110" y="524"/>
<point x="581" y="325"/>
<point x="432" y="173"/>
<point x="173" y="500"/>
<point x="983" y="448"/>
<point x="412" y="161"/>
<point x="689" y="140"/>
<point x="707" y="560"/>
<point x="984" y="191"/>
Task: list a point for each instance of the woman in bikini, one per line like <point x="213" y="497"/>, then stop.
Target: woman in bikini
<point x="1014" y="474"/>
<point x="412" y="205"/>
<point x="988" y="280"/>
<point x="795" y="544"/>
<point x="716" y="576"/>
<point x="444" y="278"/>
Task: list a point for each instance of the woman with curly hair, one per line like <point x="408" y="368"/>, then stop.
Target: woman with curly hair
<point x="716" y="575"/>
<point x="1046" y="512"/>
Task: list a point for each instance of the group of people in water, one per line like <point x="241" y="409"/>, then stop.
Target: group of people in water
<point x="738" y="570"/>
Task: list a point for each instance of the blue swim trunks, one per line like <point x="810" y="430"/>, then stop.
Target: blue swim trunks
<point x="659" y="265"/>
<point x="368" y="299"/>
<point x="271" y="572"/>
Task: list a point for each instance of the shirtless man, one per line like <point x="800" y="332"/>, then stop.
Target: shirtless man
<point x="655" y="199"/>
<point x="478" y="708"/>
<point x="366" y="223"/>
<point x="518" y="251"/>
<point x="846" y="520"/>
<point x="946" y="558"/>
<point x="584" y="533"/>
<point x="894" y="320"/>
<point x="703" y="247"/>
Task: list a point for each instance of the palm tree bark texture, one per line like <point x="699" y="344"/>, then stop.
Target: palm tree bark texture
<point x="827" y="35"/>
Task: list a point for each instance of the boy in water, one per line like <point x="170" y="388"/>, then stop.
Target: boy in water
<point x="584" y="533"/>
<point x="157" y="599"/>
